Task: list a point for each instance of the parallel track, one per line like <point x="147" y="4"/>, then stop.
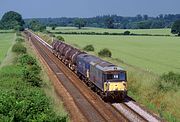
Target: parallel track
<point x="89" y="103"/>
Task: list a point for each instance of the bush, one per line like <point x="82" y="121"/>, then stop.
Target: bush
<point x="169" y="81"/>
<point x="20" y="40"/>
<point x="27" y="60"/>
<point x="126" y="32"/>
<point x="89" y="48"/>
<point x="19" y="48"/>
<point x="32" y="74"/>
<point x="31" y="71"/>
<point x="171" y="77"/>
<point x="105" y="53"/>
<point x="60" y="38"/>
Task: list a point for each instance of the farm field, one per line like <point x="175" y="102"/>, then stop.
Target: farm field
<point x="6" y="40"/>
<point x="101" y="30"/>
<point x="154" y="54"/>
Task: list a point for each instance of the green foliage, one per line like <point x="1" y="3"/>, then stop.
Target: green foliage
<point x="27" y="60"/>
<point x="158" y="24"/>
<point x="19" y="39"/>
<point x="79" y="23"/>
<point x="89" y="48"/>
<point x="169" y="81"/>
<point x="12" y="20"/>
<point x="171" y="77"/>
<point x="31" y="74"/>
<point x="127" y="32"/>
<point x="105" y="53"/>
<point x="60" y="38"/>
<point x="175" y="29"/>
<point x="144" y="24"/>
<point x="31" y="71"/>
<point x="119" y="22"/>
<point x="36" y="26"/>
<point x="20" y="101"/>
<point x="109" y="22"/>
<point x="18" y="28"/>
<point x="19" y="48"/>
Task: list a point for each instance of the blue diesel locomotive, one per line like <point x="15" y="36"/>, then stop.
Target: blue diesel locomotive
<point x="107" y="79"/>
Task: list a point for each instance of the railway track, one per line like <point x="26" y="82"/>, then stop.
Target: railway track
<point x="90" y="104"/>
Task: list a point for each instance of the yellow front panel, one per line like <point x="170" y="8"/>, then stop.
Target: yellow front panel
<point x="115" y="86"/>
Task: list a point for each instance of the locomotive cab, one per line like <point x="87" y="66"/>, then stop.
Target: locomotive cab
<point x="115" y="83"/>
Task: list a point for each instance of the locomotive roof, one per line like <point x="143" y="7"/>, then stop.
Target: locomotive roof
<point x="99" y="63"/>
<point x="88" y="58"/>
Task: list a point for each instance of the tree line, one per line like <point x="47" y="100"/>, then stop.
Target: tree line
<point x="13" y="20"/>
<point x="114" y="21"/>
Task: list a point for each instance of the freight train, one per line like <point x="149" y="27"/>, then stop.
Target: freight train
<point x="105" y="78"/>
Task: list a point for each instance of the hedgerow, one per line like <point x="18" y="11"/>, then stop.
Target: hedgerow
<point x="31" y="71"/>
<point x="20" y="101"/>
<point x="19" y="48"/>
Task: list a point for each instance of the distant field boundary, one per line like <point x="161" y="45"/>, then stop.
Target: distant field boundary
<point x="107" y="33"/>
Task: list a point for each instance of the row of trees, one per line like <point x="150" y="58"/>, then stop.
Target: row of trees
<point x="35" y="25"/>
<point x="114" y="21"/>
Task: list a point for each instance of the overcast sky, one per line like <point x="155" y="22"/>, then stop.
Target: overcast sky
<point x="89" y="8"/>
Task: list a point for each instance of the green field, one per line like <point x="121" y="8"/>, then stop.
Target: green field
<point x="101" y="30"/>
<point x="154" y="54"/>
<point x="6" y="40"/>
